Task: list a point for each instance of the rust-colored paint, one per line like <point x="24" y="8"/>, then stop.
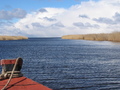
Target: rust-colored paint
<point x="11" y="61"/>
<point x="22" y="83"/>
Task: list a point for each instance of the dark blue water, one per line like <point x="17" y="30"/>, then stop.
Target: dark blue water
<point x="67" y="64"/>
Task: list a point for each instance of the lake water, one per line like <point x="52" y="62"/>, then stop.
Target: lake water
<point x="67" y="64"/>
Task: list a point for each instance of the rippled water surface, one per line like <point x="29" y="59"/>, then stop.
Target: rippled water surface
<point x="67" y="64"/>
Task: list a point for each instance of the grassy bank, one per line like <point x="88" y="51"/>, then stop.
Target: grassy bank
<point x="97" y="37"/>
<point x="12" y="37"/>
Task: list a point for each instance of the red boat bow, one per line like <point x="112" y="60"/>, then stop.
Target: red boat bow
<point x="11" y="77"/>
<point x="22" y="83"/>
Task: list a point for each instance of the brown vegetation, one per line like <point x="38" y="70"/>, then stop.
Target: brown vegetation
<point x="12" y="37"/>
<point x="115" y="36"/>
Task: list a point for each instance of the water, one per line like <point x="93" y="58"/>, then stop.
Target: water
<point x="67" y="64"/>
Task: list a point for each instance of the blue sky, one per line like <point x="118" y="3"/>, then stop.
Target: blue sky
<point x="51" y="18"/>
<point x="36" y="4"/>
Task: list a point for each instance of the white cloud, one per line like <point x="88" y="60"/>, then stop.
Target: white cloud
<point x="16" y="13"/>
<point x="102" y="16"/>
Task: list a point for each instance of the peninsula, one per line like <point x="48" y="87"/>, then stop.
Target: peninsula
<point x="12" y="37"/>
<point x="115" y="37"/>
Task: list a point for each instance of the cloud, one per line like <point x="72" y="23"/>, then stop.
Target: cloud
<point x="112" y="21"/>
<point x="58" y="24"/>
<point x="83" y="16"/>
<point x="15" y="13"/>
<point x="49" y="19"/>
<point x="102" y="16"/>
<point x="19" y="13"/>
<point x="36" y="25"/>
<point x="7" y="23"/>
<point x="42" y="10"/>
<point x="117" y="17"/>
<point x="85" y="25"/>
<point x="26" y="26"/>
<point x="104" y="20"/>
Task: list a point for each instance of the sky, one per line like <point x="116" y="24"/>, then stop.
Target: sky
<point x="55" y="18"/>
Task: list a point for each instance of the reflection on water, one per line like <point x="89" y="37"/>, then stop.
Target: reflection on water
<point x="67" y="64"/>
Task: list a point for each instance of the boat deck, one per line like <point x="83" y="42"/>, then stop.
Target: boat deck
<point x="22" y="83"/>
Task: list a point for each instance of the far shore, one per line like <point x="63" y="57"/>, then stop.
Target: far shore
<point x="12" y="37"/>
<point x="115" y="37"/>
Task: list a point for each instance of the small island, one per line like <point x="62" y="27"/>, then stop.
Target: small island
<point x="12" y="37"/>
<point x="115" y="37"/>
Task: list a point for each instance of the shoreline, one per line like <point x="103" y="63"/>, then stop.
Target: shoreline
<point x="12" y="38"/>
<point x="115" y="37"/>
